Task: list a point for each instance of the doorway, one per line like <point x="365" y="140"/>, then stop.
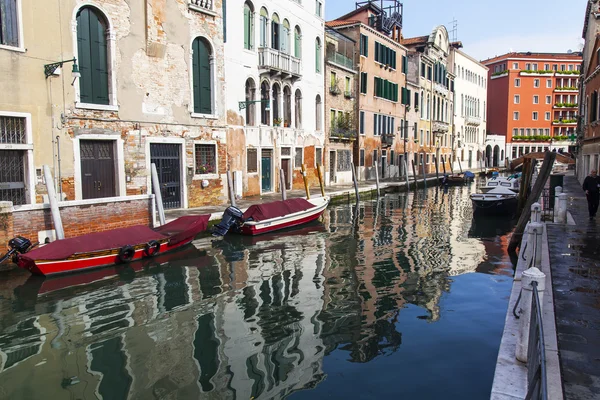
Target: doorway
<point x="97" y="169"/>
<point x="285" y="166"/>
<point x="167" y="157"/>
<point x="266" y="162"/>
<point x="332" y="162"/>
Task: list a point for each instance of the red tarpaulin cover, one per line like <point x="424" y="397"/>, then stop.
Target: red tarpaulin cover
<point x="261" y="212"/>
<point x="176" y="231"/>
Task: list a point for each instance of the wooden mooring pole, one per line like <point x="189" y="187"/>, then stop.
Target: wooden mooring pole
<point x="320" y="172"/>
<point x="414" y="172"/>
<point x="305" y="178"/>
<point x="437" y="172"/>
<point x="424" y="175"/>
<point x="443" y="164"/>
<point x="377" y="178"/>
<point x="406" y="174"/>
<point x="355" y="179"/>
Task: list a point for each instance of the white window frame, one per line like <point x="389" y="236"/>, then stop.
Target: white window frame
<point x="515" y="65"/>
<point x="212" y="175"/>
<point x="120" y="177"/>
<point x="294" y="156"/>
<point x="29" y="173"/>
<point x="549" y="83"/>
<point x="547" y="116"/>
<point x="517" y="99"/>
<point x="548" y="99"/>
<point x="536" y="99"/>
<point x="111" y="54"/>
<point x="534" y="115"/>
<point x="515" y="116"/>
<point x="21" y="47"/>
<point x="213" y="81"/>
<point x="315" y="157"/>
<point x="257" y="149"/>
<point x="517" y="82"/>
<point x="536" y="83"/>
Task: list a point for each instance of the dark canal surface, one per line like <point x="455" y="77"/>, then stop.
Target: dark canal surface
<point x="401" y="298"/>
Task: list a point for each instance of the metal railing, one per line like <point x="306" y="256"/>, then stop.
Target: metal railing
<point x="340" y="59"/>
<point x="342" y="133"/>
<point x="536" y="355"/>
<point x="275" y="59"/>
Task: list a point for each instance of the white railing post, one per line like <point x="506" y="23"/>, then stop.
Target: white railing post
<point x="557" y="191"/>
<point x="535" y="231"/>
<point x="536" y="212"/>
<point x="530" y="275"/>
<point x="562" y="208"/>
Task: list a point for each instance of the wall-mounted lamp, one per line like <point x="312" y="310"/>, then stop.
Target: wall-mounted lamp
<point x="244" y="104"/>
<point x="50" y="69"/>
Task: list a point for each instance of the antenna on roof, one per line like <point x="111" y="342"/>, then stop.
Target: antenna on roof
<point x="569" y="51"/>
<point x="454" y="31"/>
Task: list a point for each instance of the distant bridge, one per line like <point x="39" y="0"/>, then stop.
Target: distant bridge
<point x="540" y="156"/>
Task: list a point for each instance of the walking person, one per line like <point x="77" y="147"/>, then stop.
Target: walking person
<point x="591" y="185"/>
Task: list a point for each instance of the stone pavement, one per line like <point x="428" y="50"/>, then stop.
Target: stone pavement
<point x="575" y="263"/>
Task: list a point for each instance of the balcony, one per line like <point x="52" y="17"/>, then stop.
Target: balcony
<point x="341" y="60"/>
<point x="539" y="72"/>
<point x="349" y="94"/>
<point x="567" y="89"/>
<point x="474" y="121"/>
<point x="203" y="6"/>
<point x="566" y="105"/>
<point x="387" y="140"/>
<point x="572" y="121"/>
<point x="278" y="63"/>
<point x="334" y="90"/>
<point x="439" y="88"/>
<point x="342" y="134"/>
<point x="440" y="126"/>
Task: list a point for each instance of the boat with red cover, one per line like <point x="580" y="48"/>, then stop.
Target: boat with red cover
<point x="111" y="247"/>
<point x="269" y="217"/>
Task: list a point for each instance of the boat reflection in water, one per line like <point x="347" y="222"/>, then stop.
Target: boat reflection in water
<point x="247" y="317"/>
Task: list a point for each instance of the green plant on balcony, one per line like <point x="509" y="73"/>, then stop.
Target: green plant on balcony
<point x="534" y="138"/>
<point x="560" y="137"/>
<point x="567" y="88"/>
<point x="277" y="121"/>
<point x="536" y="71"/>
<point x="343" y="126"/>
<point x="500" y="72"/>
<point x="568" y="72"/>
<point x="564" y="121"/>
<point x="568" y="105"/>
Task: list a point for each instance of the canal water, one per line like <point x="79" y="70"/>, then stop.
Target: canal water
<point x="404" y="297"/>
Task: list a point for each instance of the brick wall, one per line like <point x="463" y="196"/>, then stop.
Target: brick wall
<point x="78" y="218"/>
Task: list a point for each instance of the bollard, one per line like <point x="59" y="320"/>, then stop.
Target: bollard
<point x="536" y="212"/>
<point x="535" y="231"/>
<point x="562" y="208"/>
<point x="557" y="191"/>
<point x="529" y="276"/>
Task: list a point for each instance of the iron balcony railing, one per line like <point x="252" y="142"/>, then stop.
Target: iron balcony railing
<point x="536" y="353"/>
<point x="276" y="60"/>
<point x="342" y="133"/>
<point x="340" y="59"/>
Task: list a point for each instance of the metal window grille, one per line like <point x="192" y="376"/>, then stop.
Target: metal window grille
<point x="286" y="151"/>
<point x="362" y="158"/>
<point x="206" y="158"/>
<point x="12" y="130"/>
<point x="252" y="160"/>
<point x="298" y="158"/>
<point x="319" y="157"/>
<point x="344" y="160"/>
<point x="12" y="176"/>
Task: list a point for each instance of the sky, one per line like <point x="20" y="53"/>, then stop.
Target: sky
<point x="488" y="28"/>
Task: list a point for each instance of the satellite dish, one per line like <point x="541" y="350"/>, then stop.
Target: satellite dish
<point x="569" y="51"/>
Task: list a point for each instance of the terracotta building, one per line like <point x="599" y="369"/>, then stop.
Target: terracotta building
<point x="589" y="126"/>
<point x="533" y="101"/>
<point x="382" y="94"/>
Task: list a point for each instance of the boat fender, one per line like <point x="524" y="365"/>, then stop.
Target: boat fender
<point x="126" y="254"/>
<point x="152" y="248"/>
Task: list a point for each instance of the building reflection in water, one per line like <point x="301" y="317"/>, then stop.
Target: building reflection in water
<point x="245" y="317"/>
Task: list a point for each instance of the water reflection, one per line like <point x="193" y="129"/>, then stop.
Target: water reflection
<point x="247" y="317"/>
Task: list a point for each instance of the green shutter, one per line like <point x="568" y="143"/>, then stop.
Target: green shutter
<point x="408" y="97"/>
<point x="84" y="55"/>
<point x="297" y="44"/>
<point x="92" y="57"/>
<point x="405" y="64"/>
<point x="201" y="77"/>
<point x="246" y="26"/>
<point x="394" y="56"/>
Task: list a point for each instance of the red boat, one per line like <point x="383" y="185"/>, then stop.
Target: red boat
<point x="269" y="217"/>
<point x="116" y="246"/>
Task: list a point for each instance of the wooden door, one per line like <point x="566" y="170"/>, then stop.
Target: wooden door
<point x="266" y="170"/>
<point x="97" y="169"/>
<point x="285" y="165"/>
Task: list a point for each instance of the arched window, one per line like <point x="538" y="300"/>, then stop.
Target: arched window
<point x="264" y="27"/>
<point x="462" y="105"/>
<point x="318" y="113"/>
<point x="298" y="109"/>
<point x="250" y="105"/>
<point x="92" y="56"/>
<point x="275" y="33"/>
<point x="285" y="37"/>
<point x="428" y="106"/>
<point x="297" y="42"/>
<point x="265" y="114"/>
<point x="287" y="106"/>
<point x="422" y="105"/>
<point x="318" y="55"/>
<point x="248" y="26"/>
<point x="276" y="92"/>
<point x="202" y="76"/>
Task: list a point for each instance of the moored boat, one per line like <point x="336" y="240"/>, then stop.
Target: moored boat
<point x="511" y="182"/>
<point x="269" y="217"/>
<point x="116" y="246"/>
<point x="500" y="200"/>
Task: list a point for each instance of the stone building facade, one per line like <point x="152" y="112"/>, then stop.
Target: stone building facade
<point x="149" y="89"/>
<point x="274" y="93"/>
<point x="341" y="76"/>
<point x="436" y="85"/>
<point x="382" y="95"/>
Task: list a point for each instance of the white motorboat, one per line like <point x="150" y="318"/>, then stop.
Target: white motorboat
<point x="500" y="200"/>
<point x="511" y="182"/>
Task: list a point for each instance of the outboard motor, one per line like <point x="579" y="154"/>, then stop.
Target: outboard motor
<point x="18" y="244"/>
<point x="233" y="217"/>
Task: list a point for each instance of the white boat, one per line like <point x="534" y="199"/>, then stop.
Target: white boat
<point x="500" y="200"/>
<point x="511" y="182"/>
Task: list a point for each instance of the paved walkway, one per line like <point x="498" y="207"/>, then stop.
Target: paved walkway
<point x="575" y="263"/>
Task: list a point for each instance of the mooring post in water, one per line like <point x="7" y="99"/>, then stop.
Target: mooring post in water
<point x="459" y="166"/>
<point x="282" y="184"/>
<point x="443" y="164"/>
<point x="424" y="176"/>
<point x="157" y="194"/>
<point x="320" y="172"/>
<point x="56" y="220"/>
<point x="355" y="179"/>
<point x="406" y="174"/>
<point x="377" y="178"/>
<point x="437" y="172"/>
<point x="305" y="178"/>
<point x="530" y="276"/>
<point x="414" y="173"/>
<point x="231" y="189"/>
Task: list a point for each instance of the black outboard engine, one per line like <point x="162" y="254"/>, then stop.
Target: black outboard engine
<point x="18" y="244"/>
<point x="233" y="217"/>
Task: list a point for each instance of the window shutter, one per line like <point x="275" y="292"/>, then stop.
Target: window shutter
<point x="404" y="64"/>
<point x="408" y="97"/>
<point x="84" y="55"/>
<point x="296" y="44"/>
<point x="362" y="122"/>
<point x="91" y="38"/>
<point x="246" y="27"/>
